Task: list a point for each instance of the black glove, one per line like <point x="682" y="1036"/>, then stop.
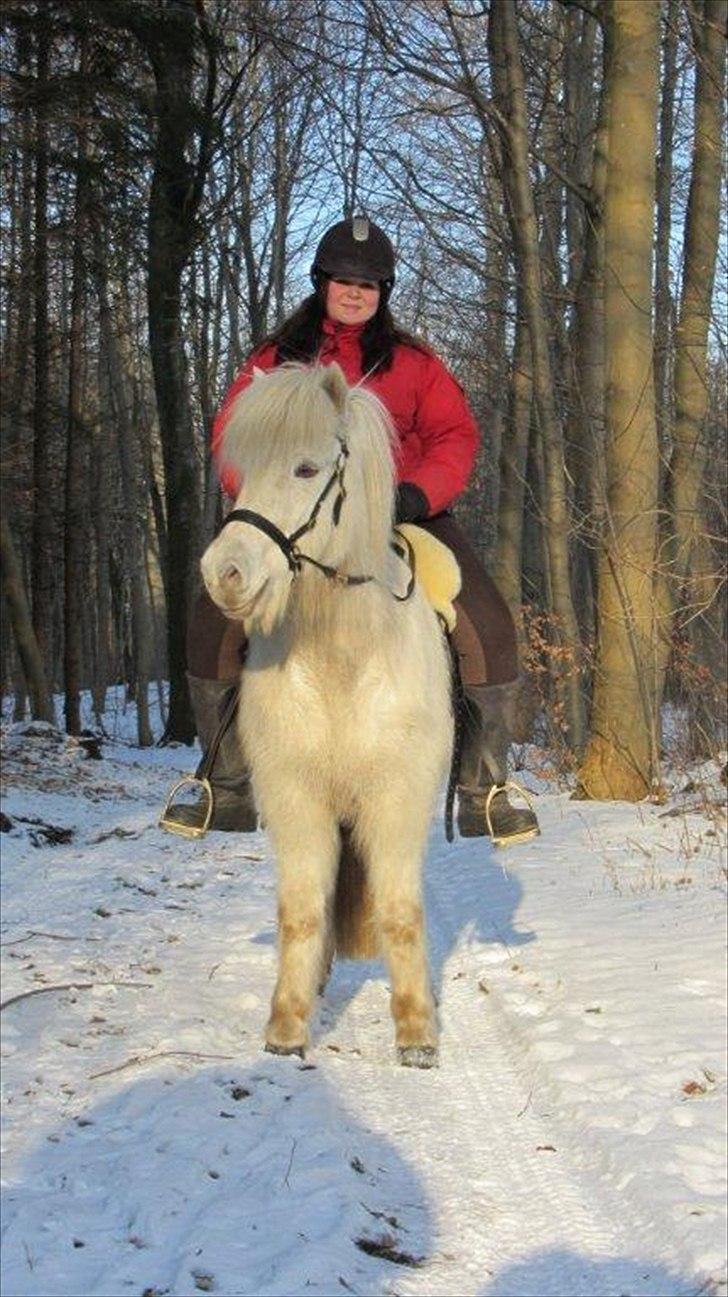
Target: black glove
<point x="411" y="503"/>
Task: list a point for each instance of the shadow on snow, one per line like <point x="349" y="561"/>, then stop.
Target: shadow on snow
<point x="244" y="1181"/>
<point x="566" y="1274"/>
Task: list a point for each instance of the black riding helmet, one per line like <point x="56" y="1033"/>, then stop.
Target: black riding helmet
<point x="355" y="249"/>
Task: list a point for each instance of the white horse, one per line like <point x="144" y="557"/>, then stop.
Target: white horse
<point x="345" y="714"/>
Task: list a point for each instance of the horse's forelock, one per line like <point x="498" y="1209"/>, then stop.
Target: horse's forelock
<point x="371" y="441"/>
<point x="285" y="412"/>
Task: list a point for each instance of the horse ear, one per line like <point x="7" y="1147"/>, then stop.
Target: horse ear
<point x="335" y="386"/>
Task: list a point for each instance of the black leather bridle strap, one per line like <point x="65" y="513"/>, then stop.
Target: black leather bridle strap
<point x="336" y="476"/>
<point x="403" y="549"/>
<point x="459" y="704"/>
<point x="264" y="524"/>
<point x="333" y="573"/>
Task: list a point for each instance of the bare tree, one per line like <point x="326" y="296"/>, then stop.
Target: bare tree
<point x="622" y="756"/>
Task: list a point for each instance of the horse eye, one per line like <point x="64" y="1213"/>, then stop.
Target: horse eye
<point x="306" y="469"/>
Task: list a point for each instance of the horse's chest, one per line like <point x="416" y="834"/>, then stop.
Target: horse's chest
<point x="336" y="702"/>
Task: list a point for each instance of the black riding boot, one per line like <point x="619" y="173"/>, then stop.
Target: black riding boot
<point x="483" y="806"/>
<point x="233" y="808"/>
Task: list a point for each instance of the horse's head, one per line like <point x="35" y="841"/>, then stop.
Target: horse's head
<point x="315" y="462"/>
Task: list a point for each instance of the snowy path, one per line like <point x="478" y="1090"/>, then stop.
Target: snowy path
<point x="572" y="1140"/>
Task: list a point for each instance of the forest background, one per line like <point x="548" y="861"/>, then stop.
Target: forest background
<point x="551" y="172"/>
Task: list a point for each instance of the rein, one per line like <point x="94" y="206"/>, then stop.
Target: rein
<point x="289" y="544"/>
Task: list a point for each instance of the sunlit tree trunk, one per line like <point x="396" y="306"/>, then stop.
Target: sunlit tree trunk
<point x="621" y="760"/>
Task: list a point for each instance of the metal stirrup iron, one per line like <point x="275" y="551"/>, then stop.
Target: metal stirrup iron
<point x="201" y="778"/>
<point x="508" y="839"/>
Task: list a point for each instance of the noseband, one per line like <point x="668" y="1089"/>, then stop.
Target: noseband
<point x="289" y="544"/>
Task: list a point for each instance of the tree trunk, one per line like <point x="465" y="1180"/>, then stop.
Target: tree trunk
<point x="133" y="506"/>
<point x="75" y="540"/>
<point x="171" y="233"/>
<point x="622" y="757"/>
<point x="585" y="431"/>
<point x="579" y="111"/>
<point x="691" y="583"/>
<point x="103" y="511"/>
<point x="507" y="560"/>
<point x="509" y="84"/>
<point x="41" y="702"/>
<point x="44" y="485"/>
<point x="18" y="351"/>
<point x="701" y="246"/>
<point x="663" y="295"/>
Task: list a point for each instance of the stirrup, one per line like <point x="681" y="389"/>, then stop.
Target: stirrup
<point x="509" y="839"/>
<point x="188" y="830"/>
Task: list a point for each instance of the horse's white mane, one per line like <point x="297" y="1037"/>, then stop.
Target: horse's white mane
<point x="299" y="410"/>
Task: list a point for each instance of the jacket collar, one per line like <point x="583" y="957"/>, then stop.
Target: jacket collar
<point x="342" y="332"/>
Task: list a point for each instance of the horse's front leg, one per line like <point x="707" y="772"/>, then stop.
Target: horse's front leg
<point x="393" y="835"/>
<point x="307" y="850"/>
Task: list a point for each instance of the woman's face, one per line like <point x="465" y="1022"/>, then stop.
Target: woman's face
<point x="351" y="301"/>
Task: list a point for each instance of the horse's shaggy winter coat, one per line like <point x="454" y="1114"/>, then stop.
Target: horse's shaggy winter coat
<point x="345" y="710"/>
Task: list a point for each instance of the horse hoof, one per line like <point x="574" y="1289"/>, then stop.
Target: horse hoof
<point x="418" y="1055"/>
<point x="298" y="1050"/>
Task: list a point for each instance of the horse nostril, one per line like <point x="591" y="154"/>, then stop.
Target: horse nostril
<point x="231" y="575"/>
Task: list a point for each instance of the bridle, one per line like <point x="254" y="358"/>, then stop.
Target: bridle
<point x="289" y="544"/>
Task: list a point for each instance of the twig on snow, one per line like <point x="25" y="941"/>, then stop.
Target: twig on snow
<point x="36" y="932"/>
<point x="527" y="1104"/>
<point x="68" y="986"/>
<point x="138" y="1059"/>
<point x="290" y="1163"/>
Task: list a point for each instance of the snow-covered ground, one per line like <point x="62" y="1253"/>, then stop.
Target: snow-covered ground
<point x="571" y="1142"/>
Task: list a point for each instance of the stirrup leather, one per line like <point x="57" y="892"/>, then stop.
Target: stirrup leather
<point x="188" y="830"/>
<point x="502" y="840"/>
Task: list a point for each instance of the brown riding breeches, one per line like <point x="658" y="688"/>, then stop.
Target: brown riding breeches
<point x="485" y="636"/>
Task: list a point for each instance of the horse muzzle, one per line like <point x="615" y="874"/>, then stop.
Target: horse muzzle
<point x="242" y="589"/>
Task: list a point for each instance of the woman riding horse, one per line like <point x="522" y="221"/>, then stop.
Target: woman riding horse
<point x="347" y="319"/>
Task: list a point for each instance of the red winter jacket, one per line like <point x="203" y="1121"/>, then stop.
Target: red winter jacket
<point x="438" y="437"/>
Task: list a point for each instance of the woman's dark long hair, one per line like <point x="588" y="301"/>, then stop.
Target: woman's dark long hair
<point x="300" y="336"/>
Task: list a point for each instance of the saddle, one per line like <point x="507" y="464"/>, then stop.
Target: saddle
<point x="435" y="568"/>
